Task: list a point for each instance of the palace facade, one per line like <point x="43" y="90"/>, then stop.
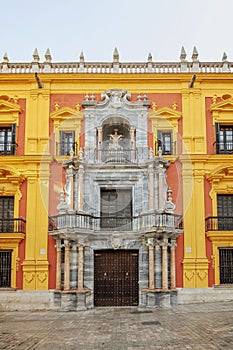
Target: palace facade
<point x="116" y="179"/>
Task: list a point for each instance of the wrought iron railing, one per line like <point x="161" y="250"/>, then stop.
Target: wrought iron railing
<point x="16" y="225"/>
<point x="7" y="148"/>
<point x="65" y="148"/>
<point x="219" y="223"/>
<point x="162" y="221"/>
<point x="166" y="148"/>
<point x="100" y="155"/>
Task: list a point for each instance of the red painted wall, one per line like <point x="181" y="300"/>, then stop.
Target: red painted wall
<point x="208" y="212"/>
<point x="21" y="251"/>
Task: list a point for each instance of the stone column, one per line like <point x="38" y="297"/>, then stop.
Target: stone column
<point x="80" y="188"/>
<point x="100" y="140"/>
<point x="161" y="187"/>
<point x="70" y="178"/>
<point x="67" y="266"/>
<point x="132" y="141"/>
<point x="173" y="264"/>
<point x="164" y="265"/>
<point x="151" y="265"/>
<point x="58" y="267"/>
<point x="151" y="187"/>
<point x="80" y="266"/>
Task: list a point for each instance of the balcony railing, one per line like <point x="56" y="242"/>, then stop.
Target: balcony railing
<point x="99" y="155"/>
<point x="7" y="148"/>
<point x="16" y="225"/>
<point x="156" y="221"/>
<point x="64" y="148"/>
<point x="166" y="148"/>
<point x="219" y="223"/>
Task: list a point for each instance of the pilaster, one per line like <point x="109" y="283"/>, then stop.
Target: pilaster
<point x="195" y="263"/>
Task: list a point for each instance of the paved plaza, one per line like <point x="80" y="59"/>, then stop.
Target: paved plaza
<point x="190" y="327"/>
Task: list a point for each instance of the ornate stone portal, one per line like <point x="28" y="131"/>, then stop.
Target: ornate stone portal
<point x="115" y="198"/>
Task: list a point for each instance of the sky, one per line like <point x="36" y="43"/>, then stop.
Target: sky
<point x="135" y="27"/>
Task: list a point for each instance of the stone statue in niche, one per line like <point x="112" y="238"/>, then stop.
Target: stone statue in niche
<point x="114" y="144"/>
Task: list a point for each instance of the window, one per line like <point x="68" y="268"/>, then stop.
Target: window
<point x="67" y="142"/>
<point x="224" y="138"/>
<point x="164" y="142"/>
<point x="226" y="265"/>
<point x="5" y="268"/>
<point x="7" y="140"/>
<point x="116" y="208"/>
<point x="225" y="211"/>
<point x="6" y="214"/>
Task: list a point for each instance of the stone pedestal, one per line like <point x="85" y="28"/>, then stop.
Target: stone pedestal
<point x="159" y="299"/>
<point x="72" y="300"/>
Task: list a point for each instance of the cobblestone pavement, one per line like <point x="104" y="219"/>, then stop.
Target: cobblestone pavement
<point x="190" y="327"/>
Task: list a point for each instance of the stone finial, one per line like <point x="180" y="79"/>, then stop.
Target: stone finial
<point x="224" y="57"/>
<point x="116" y="55"/>
<point x="48" y="57"/>
<point x="139" y="97"/>
<point x="77" y="106"/>
<point x="174" y="106"/>
<point x="214" y="98"/>
<point x="154" y="106"/>
<point x="56" y="106"/>
<point x="15" y="98"/>
<point x="183" y="54"/>
<point x="81" y="57"/>
<point x="149" y="59"/>
<point x="36" y="55"/>
<point x="195" y="54"/>
<point x="5" y="58"/>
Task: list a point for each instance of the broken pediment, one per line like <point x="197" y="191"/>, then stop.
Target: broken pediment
<point x="115" y="99"/>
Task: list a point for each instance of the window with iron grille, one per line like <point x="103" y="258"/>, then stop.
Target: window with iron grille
<point x="7" y="214"/>
<point x="7" y="140"/>
<point x="226" y="265"/>
<point x="5" y="268"/>
<point x="224" y="138"/>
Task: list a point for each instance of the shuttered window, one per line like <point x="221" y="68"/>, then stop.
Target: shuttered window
<point x="224" y="138"/>
<point x="6" y="214"/>
<point x="67" y="141"/>
<point x="7" y="140"/>
<point x="165" y="142"/>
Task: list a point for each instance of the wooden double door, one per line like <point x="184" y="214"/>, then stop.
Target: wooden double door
<point x="116" y="278"/>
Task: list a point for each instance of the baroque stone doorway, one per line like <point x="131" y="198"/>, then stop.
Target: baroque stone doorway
<point x="116" y="278"/>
